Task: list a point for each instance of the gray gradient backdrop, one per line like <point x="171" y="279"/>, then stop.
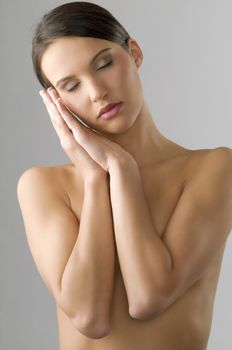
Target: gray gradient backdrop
<point x="186" y="74"/>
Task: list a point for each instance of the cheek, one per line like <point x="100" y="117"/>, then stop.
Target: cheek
<point x="131" y="81"/>
<point x="71" y="100"/>
<point x="126" y="73"/>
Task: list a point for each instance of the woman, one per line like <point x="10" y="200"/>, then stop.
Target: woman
<point x="129" y="236"/>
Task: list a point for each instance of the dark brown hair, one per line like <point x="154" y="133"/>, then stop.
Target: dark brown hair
<point x="79" y="18"/>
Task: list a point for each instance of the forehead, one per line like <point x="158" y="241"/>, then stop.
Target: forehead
<point x="66" y="54"/>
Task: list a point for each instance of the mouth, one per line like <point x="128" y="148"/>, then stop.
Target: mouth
<point x="110" y="111"/>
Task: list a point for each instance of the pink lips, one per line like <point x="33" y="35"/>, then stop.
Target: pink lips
<point x="110" y="111"/>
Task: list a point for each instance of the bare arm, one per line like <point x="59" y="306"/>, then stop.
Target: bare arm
<point x="76" y="261"/>
<point x="157" y="271"/>
<point x="141" y="252"/>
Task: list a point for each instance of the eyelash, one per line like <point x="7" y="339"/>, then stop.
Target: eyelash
<point x="105" y="66"/>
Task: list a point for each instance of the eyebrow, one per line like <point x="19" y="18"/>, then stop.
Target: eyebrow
<point x="91" y="62"/>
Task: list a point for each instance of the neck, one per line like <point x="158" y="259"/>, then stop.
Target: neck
<point x="144" y="141"/>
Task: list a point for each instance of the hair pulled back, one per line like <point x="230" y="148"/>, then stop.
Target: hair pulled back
<point x="79" y="18"/>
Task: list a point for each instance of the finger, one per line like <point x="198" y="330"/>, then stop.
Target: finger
<point x="81" y="134"/>
<point x="59" y="124"/>
<point x="85" y="137"/>
<point x="75" y="126"/>
<point x="65" y="113"/>
<point x="52" y="111"/>
<point x="71" y="121"/>
<point x="74" y="149"/>
<point x="55" y="116"/>
<point x="58" y="112"/>
<point x="68" y="142"/>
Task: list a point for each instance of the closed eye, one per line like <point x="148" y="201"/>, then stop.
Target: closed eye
<point x="106" y="65"/>
<point x="102" y="67"/>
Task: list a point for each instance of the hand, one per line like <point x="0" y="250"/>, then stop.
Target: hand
<point x="79" y="157"/>
<point x="88" y="150"/>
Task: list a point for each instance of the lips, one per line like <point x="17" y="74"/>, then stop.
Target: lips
<point x="107" y="108"/>
<point x="113" y="112"/>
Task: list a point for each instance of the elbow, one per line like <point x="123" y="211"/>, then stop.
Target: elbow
<point x="155" y="301"/>
<point x="93" y="330"/>
<point x="146" y="309"/>
<point x="89" y="325"/>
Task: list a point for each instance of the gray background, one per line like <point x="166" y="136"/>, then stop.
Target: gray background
<point x="186" y="75"/>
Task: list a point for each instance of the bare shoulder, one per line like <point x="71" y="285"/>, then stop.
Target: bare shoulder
<point x="209" y="161"/>
<point x="209" y="184"/>
<point x="53" y="177"/>
<point x="223" y="154"/>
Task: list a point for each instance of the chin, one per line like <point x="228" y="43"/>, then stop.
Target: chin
<point x="118" y="127"/>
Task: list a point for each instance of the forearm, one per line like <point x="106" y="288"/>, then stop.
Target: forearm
<point x="144" y="259"/>
<point x="87" y="283"/>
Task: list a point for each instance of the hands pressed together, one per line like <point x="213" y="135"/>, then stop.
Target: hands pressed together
<point x="91" y="152"/>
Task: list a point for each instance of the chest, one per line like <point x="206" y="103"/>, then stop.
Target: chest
<point x="162" y="186"/>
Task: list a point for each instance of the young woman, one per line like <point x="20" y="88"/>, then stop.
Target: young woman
<point x="128" y="237"/>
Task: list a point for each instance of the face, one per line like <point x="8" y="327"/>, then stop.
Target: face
<point x="92" y="84"/>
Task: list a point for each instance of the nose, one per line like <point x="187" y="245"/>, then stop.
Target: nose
<point x="97" y="91"/>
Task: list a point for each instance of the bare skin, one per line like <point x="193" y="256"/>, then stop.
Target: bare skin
<point x="171" y="213"/>
<point x="186" y="323"/>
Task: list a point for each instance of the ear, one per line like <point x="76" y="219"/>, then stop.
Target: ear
<point x="135" y="51"/>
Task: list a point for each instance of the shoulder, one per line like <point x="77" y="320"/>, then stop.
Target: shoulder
<point x="217" y="170"/>
<point x="203" y="162"/>
<point x="48" y="178"/>
<point x="222" y="155"/>
<point x="210" y="184"/>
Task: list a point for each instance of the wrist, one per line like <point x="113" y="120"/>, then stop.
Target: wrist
<point x="124" y="164"/>
<point x="95" y="179"/>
